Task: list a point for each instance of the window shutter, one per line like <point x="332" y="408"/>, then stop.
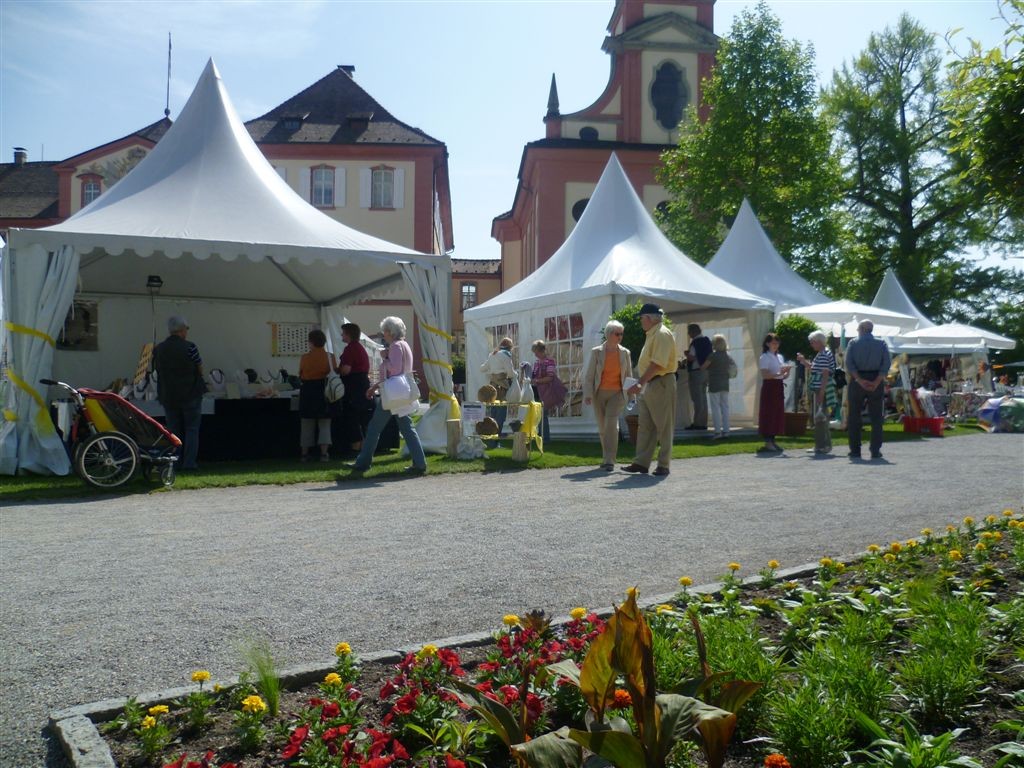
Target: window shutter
<point x="365" y="180"/>
<point x="305" y="177"/>
<point x="282" y="172"/>
<point x="339" y="187"/>
<point x="399" y="195"/>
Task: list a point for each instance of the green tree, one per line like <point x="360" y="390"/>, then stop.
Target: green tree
<point x="986" y="103"/>
<point x="911" y="208"/>
<point x="762" y="140"/>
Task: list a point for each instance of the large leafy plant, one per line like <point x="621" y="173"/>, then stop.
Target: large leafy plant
<point x="624" y="651"/>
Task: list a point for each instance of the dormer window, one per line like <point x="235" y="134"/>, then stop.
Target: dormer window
<point x="92" y="187"/>
<point x="293" y="122"/>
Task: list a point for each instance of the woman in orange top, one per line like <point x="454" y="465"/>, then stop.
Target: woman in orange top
<point x="607" y="369"/>
<point x="314" y="417"/>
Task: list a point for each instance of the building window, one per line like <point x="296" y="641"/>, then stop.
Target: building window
<point x="579" y="207"/>
<point x="382" y="194"/>
<point x="668" y="95"/>
<point x="92" y="187"/>
<point x="563" y="336"/>
<point x="468" y="295"/>
<point x="323" y="187"/>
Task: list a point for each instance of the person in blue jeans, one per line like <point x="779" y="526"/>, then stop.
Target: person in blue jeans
<point x="397" y="361"/>
<point x="180" y="387"/>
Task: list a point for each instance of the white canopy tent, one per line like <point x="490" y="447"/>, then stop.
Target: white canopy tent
<point x="956" y="335"/>
<point x="206" y="212"/>
<point x="890" y="295"/>
<point x="843" y="316"/>
<point x="616" y="254"/>
<point x="748" y="260"/>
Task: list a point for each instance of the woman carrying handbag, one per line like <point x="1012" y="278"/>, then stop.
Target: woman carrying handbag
<point x="397" y="362"/>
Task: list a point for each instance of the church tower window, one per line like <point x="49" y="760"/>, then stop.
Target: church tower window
<point x="668" y="95"/>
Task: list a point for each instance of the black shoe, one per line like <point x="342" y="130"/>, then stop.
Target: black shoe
<point x="607" y="467"/>
<point x="661" y="471"/>
<point x="693" y="427"/>
<point x="635" y="468"/>
<point x="876" y="454"/>
<point x="854" y="454"/>
<point x="355" y="467"/>
<point x="416" y="471"/>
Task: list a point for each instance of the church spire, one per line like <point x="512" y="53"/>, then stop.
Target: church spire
<point x="553" y="99"/>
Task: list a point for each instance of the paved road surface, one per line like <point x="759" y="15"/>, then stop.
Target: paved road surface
<point x="106" y="598"/>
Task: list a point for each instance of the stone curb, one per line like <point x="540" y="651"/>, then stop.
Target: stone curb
<point x="84" y="747"/>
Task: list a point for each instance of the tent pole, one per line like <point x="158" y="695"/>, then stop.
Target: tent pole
<point x="294" y="282"/>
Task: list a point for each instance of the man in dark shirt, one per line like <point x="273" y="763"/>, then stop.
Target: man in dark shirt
<point x="180" y="387"/>
<point x="698" y="358"/>
<point x="867" y="365"/>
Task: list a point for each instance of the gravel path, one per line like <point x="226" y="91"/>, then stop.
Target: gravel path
<point x="120" y="597"/>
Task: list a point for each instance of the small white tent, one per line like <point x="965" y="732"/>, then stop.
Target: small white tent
<point x="890" y="295"/>
<point x="231" y="242"/>
<point x="748" y="260"/>
<point x="615" y="255"/>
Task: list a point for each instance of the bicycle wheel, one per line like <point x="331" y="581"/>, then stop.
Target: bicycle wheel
<point x="107" y="460"/>
<point x="167" y="475"/>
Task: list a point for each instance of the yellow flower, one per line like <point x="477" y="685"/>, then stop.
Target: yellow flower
<point x="148" y="722"/>
<point x="1007" y="512"/>
<point x="664" y="608"/>
<point x="986" y="535"/>
<point x="910" y="543"/>
<point x="200" y="676"/>
<point x="342" y="649"/>
<point x="840" y="567"/>
<point x="968" y="521"/>
<point x="633" y="593"/>
<point x="790" y="586"/>
<point x="734" y="567"/>
<point x="954" y="554"/>
<point x="511" y="620"/>
<point x="889" y="557"/>
<point x="217" y="688"/>
<point x="427" y="651"/>
<point x="990" y="519"/>
<point x="826" y="562"/>
<point x="254" y="704"/>
<point x="332" y="678"/>
<point x="159" y="709"/>
<point x="707" y="598"/>
<point x="773" y="564"/>
<point x="685" y="581"/>
<point x="926" y="531"/>
<point x="950" y="528"/>
<point x="997" y="535"/>
<point x="873" y="547"/>
<point x="895" y="547"/>
<point x="578" y="613"/>
<point x="979" y="547"/>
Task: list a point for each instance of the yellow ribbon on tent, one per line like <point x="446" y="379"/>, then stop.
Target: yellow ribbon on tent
<point x="42" y="418"/>
<point x="454" y="411"/>
<point x="30" y="332"/>
<point x="443" y="334"/>
<point x="439" y="364"/>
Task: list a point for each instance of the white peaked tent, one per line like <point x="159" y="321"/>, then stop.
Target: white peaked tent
<point x="231" y="242"/>
<point x="748" y="260"/>
<point x="615" y="255"/>
<point x="891" y="295"/>
<point x="955" y="335"/>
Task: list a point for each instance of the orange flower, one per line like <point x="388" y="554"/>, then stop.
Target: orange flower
<point x="776" y="760"/>
<point x="622" y="699"/>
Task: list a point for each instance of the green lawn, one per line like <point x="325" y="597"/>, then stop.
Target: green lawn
<point x="569" y="453"/>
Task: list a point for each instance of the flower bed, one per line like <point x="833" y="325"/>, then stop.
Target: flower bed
<point x="915" y="649"/>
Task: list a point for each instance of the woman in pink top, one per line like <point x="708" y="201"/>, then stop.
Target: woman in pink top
<point x="397" y="361"/>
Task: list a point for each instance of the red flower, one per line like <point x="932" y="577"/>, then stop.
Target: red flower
<point x="331" y="709"/>
<point x="406" y="703"/>
<point x="295" y="743"/>
<point x="509" y="694"/>
<point x="207" y="759"/>
<point x="622" y="699"/>
<point x="399" y="751"/>
<point x="379" y="762"/>
<point x="354" y="694"/>
<point x="177" y="763"/>
<point x="387" y="690"/>
<point x="453" y="762"/>
<point x="316" y="702"/>
<point x="333" y="733"/>
<point x="776" y="760"/>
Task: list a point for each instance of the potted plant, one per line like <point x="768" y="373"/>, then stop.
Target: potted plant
<point x="793" y="331"/>
<point x="633" y="338"/>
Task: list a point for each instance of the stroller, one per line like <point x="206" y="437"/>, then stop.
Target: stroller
<point x="110" y="438"/>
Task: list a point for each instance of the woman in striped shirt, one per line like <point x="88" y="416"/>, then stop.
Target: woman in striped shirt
<point x="821" y="386"/>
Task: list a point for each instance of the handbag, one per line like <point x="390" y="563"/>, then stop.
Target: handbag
<point x="733" y="370"/>
<point x="334" y="388"/>
<point x="553" y="394"/>
<point x="395" y="393"/>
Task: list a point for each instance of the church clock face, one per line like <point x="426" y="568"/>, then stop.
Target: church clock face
<point x="668" y="95"/>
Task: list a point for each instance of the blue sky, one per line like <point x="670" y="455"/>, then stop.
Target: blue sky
<point x="74" y="75"/>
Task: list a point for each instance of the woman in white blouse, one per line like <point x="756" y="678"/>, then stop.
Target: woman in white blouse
<point x="771" y="419"/>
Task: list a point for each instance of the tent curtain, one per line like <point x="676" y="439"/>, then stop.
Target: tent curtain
<point x="430" y="291"/>
<point x="38" y="287"/>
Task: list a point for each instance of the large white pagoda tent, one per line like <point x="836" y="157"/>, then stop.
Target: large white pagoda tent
<point x="616" y="255"/>
<point x="237" y="251"/>
<point x="748" y="260"/>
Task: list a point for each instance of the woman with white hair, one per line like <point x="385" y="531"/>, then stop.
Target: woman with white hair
<point x="607" y="369"/>
<point x="822" y="389"/>
<point x="397" y="361"/>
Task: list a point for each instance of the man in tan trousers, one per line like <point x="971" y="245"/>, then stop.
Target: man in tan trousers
<point x="657" y="411"/>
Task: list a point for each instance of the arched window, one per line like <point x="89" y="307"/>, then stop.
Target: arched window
<point x="668" y="95"/>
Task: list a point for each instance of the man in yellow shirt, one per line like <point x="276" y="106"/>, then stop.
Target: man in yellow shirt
<point x="657" y="411"/>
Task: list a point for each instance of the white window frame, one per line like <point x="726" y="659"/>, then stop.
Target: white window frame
<point x="382" y="188"/>
<point x="321" y="190"/>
